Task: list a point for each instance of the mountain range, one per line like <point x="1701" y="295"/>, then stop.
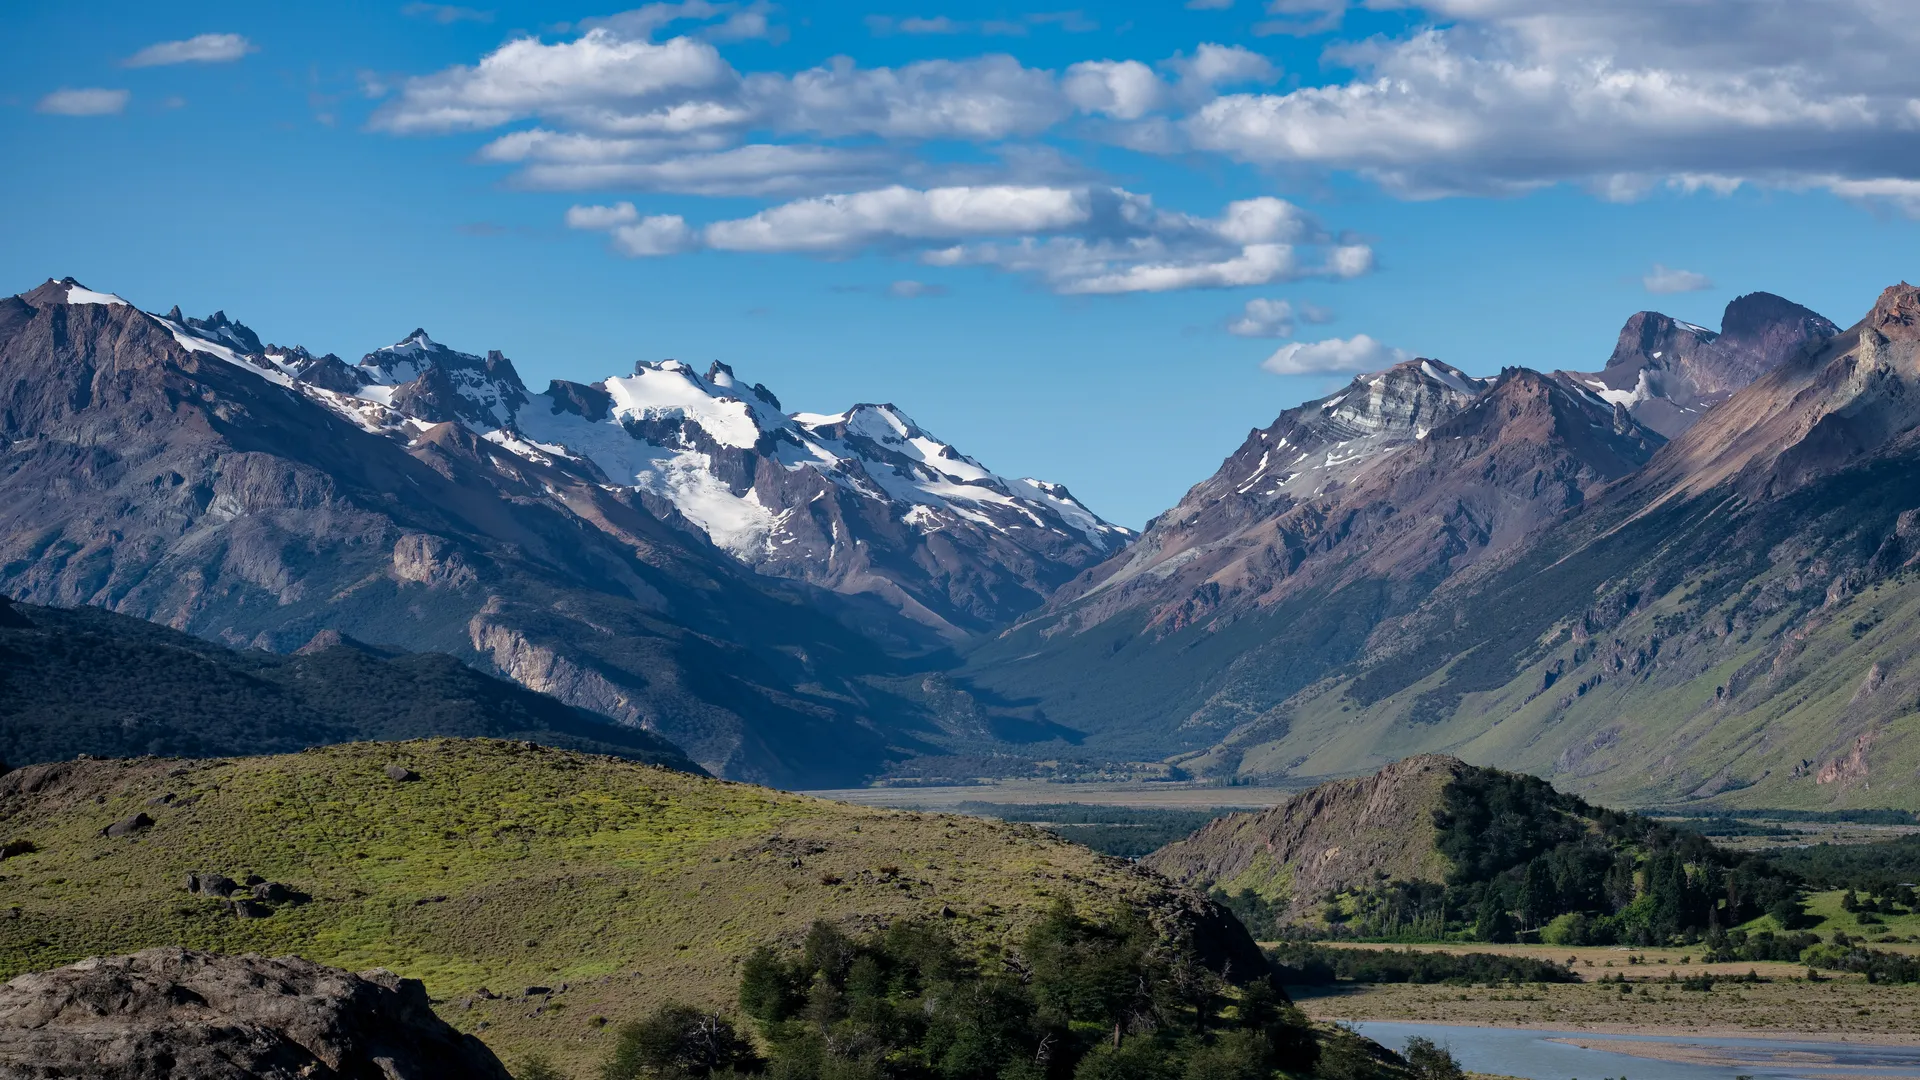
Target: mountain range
<point x="1677" y="577"/>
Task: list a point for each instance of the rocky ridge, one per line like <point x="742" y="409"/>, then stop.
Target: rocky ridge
<point x="864" y="502"/>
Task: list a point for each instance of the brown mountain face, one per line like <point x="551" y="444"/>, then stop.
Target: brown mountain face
<point x="1272" y="572"/>
<point x="1733" y="624"/>
<point x="1341" y="835"/>
<point x="152" y="470"/>
<point x="1668" y="373"/>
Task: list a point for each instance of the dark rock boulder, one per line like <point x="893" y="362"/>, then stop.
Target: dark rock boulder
<point x="217" y="885"/>
<point x="401" y="774"/>
<point x="127" y="827"/>
<point x="170" y="1013"/>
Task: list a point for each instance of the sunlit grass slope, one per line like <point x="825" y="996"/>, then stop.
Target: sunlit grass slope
<point x="508" y="866"/>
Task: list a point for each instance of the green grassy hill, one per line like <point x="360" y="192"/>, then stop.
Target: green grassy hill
<point x="613" y="884"/>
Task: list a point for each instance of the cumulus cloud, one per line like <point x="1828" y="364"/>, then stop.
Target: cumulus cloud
<point x="84" y="102"/>
<point x="202" y="49"/>
<point x="1665" y="279"/>
<point x="1357" y="353"/>
<point x="1264" y="318"/>
<point x="1075" y="240"/>
<point x="1621" y="98"/>
<point x="1214" y="65"/>
<point x="665" y="234"/>
<point x="1123" y="89"/>
<point x="600" y="80"/>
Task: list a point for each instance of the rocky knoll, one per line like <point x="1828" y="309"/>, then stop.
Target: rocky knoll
<point x="169" y="1013"/>
<point x="1335" y="837"/>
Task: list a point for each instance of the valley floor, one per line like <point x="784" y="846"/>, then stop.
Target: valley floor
<point x="1041" y="792"/>
<point x="1782" y="1006"/>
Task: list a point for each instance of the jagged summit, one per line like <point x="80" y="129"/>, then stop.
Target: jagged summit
<point x="1668" y="372"/>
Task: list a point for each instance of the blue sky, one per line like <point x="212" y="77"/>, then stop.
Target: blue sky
<point x="1033" y="228"/>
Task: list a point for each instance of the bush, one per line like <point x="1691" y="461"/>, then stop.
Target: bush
<point x="1569" y="929"/>
<point x="679" y="1042"/>
<point x="1430" y="1061"/>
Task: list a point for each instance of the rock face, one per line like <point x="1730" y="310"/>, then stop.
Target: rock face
<point x="1323" y="841"/>
<point x="1668" y="372"/>
<point x="163" y="469"/>
<point x="173" y="1014"/>
<point x="1274" y="570"/>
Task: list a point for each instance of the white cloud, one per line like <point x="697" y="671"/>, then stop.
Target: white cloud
<point x="84" y="102"/>
<point x="1219" y="65"/>
<point x="1302" y="18"/>
<point x="203" y="49"/>
<point x="666" y="234"/>
<point x="1122" y="89"/>
<point x="1357" y="353"/>
<point x="985" y="98"/>
<point x="1620" y="98"/>
<point x="837" y="223"/>
<point x="726" y="21"/>
<point x="601" y="217"/>
<point x="1084" y="240"/>
<point x="1665" y="279"/>
<point x="754" y="171"/>
<point x="594" y="81"/>
<point x="1900" y="193"/>
<point x="1263" y="318"/>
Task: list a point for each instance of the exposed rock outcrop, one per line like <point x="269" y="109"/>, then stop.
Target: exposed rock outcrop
<point x="173" y="1014"/>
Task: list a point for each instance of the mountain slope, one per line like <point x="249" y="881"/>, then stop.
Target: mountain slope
<point x="576" y="886"/>
<point x="1346" y="511"/>
<point x="1668" y="373"/>
<point x="87" y="681"/>
<point x="1733" y="623"/>
<point x="152" y="469"/>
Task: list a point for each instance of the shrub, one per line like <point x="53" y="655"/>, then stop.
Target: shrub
<point x="678" y="1042"/>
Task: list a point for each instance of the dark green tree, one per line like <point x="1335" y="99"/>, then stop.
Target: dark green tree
<point x="679" y="1042"/>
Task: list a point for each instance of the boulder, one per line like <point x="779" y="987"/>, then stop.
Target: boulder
<point x="401" y="774"/>
<point x="272" y="892"/>
<point x="242" y="907"/>
<point x="217" y="885"/>
<point x="170" y="1013"/>
<point x="127" y="827"/>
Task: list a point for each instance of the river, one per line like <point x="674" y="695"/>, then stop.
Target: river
<point x="1537" y="1055"/>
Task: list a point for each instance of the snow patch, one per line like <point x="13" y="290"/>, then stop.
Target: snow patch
<point x="78" y="295"/>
